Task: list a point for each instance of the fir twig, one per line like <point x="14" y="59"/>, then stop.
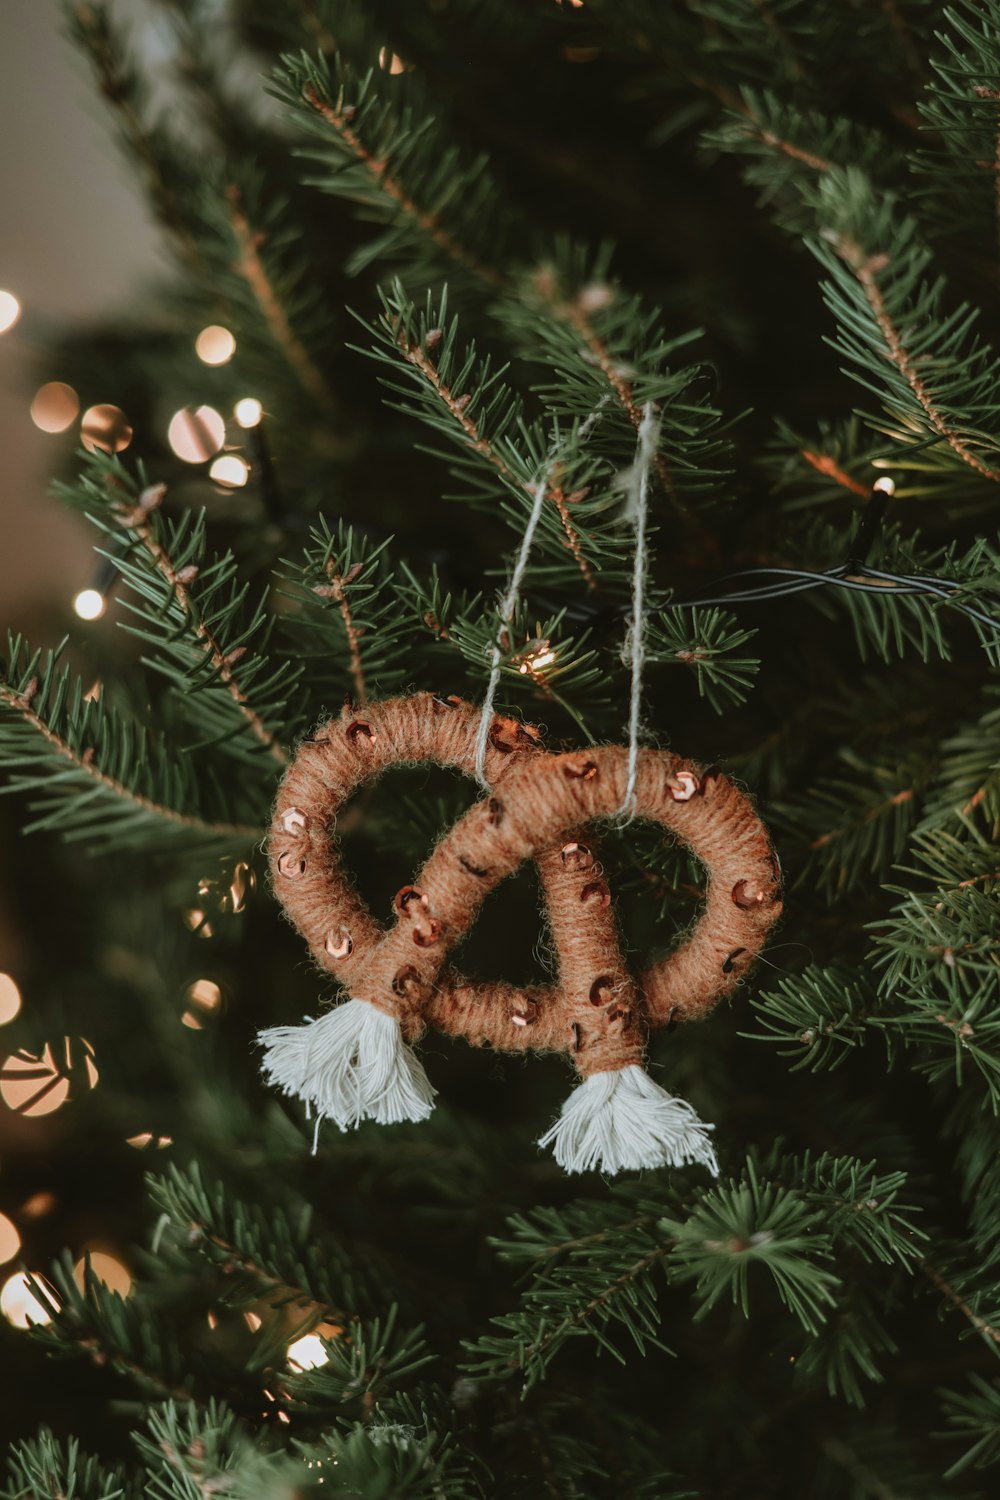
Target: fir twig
<point x="250" y="265"/>
<point x="222" y="663"/>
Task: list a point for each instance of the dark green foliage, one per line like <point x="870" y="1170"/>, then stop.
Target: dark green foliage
<point x="462" y="248"/>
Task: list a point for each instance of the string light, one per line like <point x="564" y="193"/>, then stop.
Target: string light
<point x="10" y="1240"/>
<point x="107" y="1268"/>
<point x="390" y="62"/>
<point x="231" y="471"/>
<point x="19" y="1304"/>
<point x="34" y="1085"/>
<point x="885" y="485"/>
<point x="10" y="999"/>
<point x="105" y="429"/>
<point x="215" y="345"/>
<point x="204" y="999"/>
<point x="89" y="604"/>
<point x="307" y="1353"/>
<point x="37" y="1206"/>
<point x="55" y="406"/>
<point x="146" y="1140"/>
<point x="10" y="311"/>
<point x="542" y="656"/>
<point x="248" y="411"/>
<point x="196" y="433"/>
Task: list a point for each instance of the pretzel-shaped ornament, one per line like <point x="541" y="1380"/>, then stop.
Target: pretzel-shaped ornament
<point x="355" y="1062"/>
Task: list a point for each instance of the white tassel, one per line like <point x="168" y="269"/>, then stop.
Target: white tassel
<point x="350" y="1065"/>
<point x="614" y="1121"/>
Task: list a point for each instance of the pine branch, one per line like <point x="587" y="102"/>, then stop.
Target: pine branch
<point x="92" y="774"/>
<point x="938" y="956"/>
<point x="959" y="173"/>
<point x="362" y="1368"/>
<point x="199" y="1452"/>
<point x="250" y="265"/>
<point x="347" y="626"/>
<point x="816" y="1017"/>
<point x="263" y="1253"/>
<point x="91" y="27"/>
<point x="707" y="642"/>
<point x="935" y="378"/>
<point x="111" y="1330"/>
<point x="395" y="164"/>
<point x="50" y="1468"/>
<point x="190" y="610"/>
<point x="984" y="1329"/>
<point x="464" y="398"/>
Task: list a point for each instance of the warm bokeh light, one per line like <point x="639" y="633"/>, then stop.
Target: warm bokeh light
<point x="36" y="1085"/>
<point x="252" y="1321"/>
<point x="55" y="406"/>
<point x="89" y="604"/>
<point x="230" y="470"/>
<point x="248" y="411"/>
<point x="242" y="884"/>
<point x="205" y="994"/>
<point x="307" y="1353"/>
<point x="37" y="1206"/>
<point x="390" y="62"/>
<point x="204" y="998"/>
<point x="194" y="918"/>
<point x="10" y="999"/>
<point x="10" y="1240"/>
<point x="196" y="433"/>
<point x="19" y="1304"/>
<point x="10" y="311"/>
<point x="107" y="1268"/>
<point x="214" y="345"/>
<point x="886" y="485"/>
<point x="105" y="429"/>
<point x="147" y="1141"/>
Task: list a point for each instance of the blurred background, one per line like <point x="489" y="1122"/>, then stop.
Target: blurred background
<point x="62" y="184"/>
<point x="76" y="250"/>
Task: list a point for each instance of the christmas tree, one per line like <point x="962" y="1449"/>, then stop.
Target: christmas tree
<point x="626" y="368"/>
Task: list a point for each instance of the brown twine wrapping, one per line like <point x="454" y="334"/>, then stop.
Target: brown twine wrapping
<point x="539" y="808"/>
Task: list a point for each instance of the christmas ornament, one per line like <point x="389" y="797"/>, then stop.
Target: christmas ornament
<point x="356" y="1062"/>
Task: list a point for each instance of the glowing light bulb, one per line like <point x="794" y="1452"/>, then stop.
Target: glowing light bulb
<point x="215" y="345"/>
<point x="886" y="485"/>
<point x="230" y="470"/>
<point x="542" y="656"/>
<point x="10" y="999"/>
<point x="19" y="1304"/>
<point x="10" y="311"/>
<point x="248" y="411"/>
<point x="55" y="406"/>
<point x="105" y="429"/>
<point x="89" y="604"/>
<point x="196" y="434"/>
<point x="107" y="1268"/>
<point x="307" y="1353"/>
<point x="10" y="1240"/>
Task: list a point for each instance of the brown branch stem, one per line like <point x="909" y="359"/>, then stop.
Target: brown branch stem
<point x="336" y="589"/>
<point x="83" y="762"/>
<point x="598" y="1302"/>
<point x="338" y="118"/>
<point x="422" y="362"/>
<point x="946" y="1290"/>
<point x="213" y="650"/>
<point x="250" y="266"/>
<point x="866" y="269"/>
